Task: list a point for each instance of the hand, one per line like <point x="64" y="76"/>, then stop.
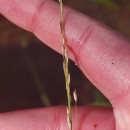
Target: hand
<point x="101" y="53"/>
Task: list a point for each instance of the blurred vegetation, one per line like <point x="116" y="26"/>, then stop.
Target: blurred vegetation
<point x="106" y="3"/>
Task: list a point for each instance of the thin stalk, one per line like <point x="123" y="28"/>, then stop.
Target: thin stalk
<point x="38" y="83"/>
<point x="65" y="65"/>
<point x="76" y="112"/>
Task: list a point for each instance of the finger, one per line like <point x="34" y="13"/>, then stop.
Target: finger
<point x="102" y="54"/>
<point x="55" y="119"/>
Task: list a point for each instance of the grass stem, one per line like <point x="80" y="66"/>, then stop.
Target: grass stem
<point x="65" y="65"/>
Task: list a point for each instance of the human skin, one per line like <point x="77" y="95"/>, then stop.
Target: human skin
<point x="101" y="53"/>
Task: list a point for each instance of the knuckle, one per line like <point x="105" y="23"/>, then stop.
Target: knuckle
<point x="80" y="38"/>
<point x="35" y="14"/>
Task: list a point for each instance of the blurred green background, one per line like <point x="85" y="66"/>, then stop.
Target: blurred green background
<point x="31" y="74"/>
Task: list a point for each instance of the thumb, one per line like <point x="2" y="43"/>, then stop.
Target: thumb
<point x="54" y="118"/>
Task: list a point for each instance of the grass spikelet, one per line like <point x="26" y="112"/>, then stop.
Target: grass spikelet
<point x="76" y="100"/>
<point x="65" y="65"/>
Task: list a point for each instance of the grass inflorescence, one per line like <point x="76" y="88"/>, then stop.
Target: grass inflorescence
<point x="65" y="65"/>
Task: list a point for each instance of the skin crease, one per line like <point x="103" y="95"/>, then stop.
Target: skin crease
<point x="101" y="53"/>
